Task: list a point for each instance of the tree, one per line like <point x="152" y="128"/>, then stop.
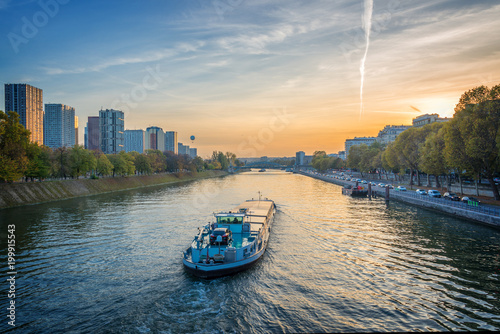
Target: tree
<point x="119" y="164"/>
<point x="355" y="155"/>
<point x="472" y="141"/>
<point x="142" y="164"/>
<point x="104" y="167"/>
<point x="390" y="161"/>
<point x="231" y="157"/>
<point x="129" y="163"/>
<point x="60" y="162"/>
<point x="14" y="141"/>
<point x="198" y="163"/>
<point x="81" y="161"/>
<point x="221" y="158"/>
<point x="407" y="148"/>
<point x="156" y="160"/>
<point x="474" y="96"/>
<point x="432" y="159"/>
<point x="39" y="162"/>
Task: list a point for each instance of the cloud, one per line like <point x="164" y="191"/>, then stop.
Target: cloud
<point x="151" y="56"/>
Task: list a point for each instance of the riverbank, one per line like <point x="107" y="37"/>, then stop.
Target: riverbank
<point x="18" y="194"/>
<point x="484" y="215"/>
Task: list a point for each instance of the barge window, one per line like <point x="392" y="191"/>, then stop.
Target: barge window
<point x="230" y="220"/>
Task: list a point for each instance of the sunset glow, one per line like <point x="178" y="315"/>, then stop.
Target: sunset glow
<point x="253" y="77"/>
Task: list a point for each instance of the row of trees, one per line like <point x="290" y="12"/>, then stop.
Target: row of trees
<point x="466" y="146"/>
<point x="20" y="158"/>
<point x="322" y="162"/>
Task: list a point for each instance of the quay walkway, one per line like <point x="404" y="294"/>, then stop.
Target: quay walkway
<point x="485" y="214"/>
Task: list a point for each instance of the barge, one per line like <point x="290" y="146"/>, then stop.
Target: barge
<point x="235" y="241"/>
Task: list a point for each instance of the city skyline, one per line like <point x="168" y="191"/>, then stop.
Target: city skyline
<point x="255" y="78"/>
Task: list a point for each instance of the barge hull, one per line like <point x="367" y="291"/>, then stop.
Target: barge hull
<point x="214" y="273"/>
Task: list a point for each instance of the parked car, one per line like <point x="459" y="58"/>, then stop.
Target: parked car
<point x="390" y="186"/>
<point x="471" y="200"/>
<point x="225" y="233"/>
<point x="400" y="188"/>
<point x="451" y="196"/>
<point x="364" y="182"/>
<point x="421" y="192"/>
<point x="434" y="193"/>
<point x="381" y="185"/>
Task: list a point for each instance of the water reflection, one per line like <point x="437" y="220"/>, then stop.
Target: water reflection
<point x="334" y="264"/>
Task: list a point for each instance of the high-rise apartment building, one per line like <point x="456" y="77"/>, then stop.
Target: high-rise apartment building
<point x="171" y="142"/>
<point x="193" y="152"/>
<point x="155" y="139"/>
<point x="134" y="141"/>
<point x="27" y="101"/>
<point x="92" y="134"/>
<point x="111" y="129"/>
<point x="182" y="149"/>
<point x="76" y="130"/>
<point x="299" y="158"/>
<point x="59" y="126"/>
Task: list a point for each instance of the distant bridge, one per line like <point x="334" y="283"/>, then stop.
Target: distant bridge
<point x="263" y="164"/>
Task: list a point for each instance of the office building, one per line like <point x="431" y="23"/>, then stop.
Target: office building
<point x="111" y="129"/>
<point x="59" y="126"/>
<point x="134" y="140"/>
<point x="193" y="152"/>
<point x="92" y="134"/>
<point x="27" y="101"/>
<point x="171" y="142"/>
<point x="155" y="139"/>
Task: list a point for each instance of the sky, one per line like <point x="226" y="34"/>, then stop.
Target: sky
<point x="257" y="78"/>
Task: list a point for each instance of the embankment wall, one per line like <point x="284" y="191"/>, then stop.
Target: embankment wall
<point x="17" y="194"/>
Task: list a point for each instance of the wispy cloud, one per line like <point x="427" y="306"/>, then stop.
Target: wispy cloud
<point x="151" y="56"/>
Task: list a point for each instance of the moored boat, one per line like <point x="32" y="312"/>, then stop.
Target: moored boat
<point x="235" y="241"/>
<point x="354" y="191"/>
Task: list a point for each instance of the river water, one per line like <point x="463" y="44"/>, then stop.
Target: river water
<point x="112" y="263"/>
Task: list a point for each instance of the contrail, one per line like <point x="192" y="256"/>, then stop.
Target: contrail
<point x="367" y="25"/>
